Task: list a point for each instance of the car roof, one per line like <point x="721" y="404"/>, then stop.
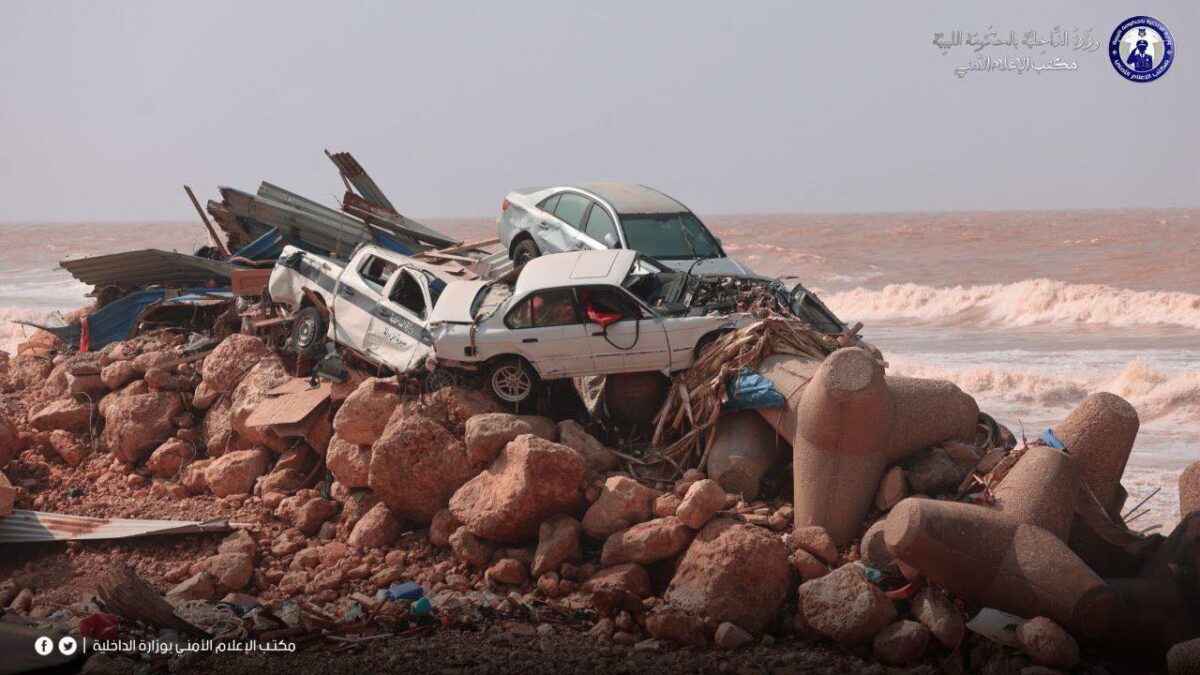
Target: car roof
<point x="576" y="268"/>
<point x="625" y="198"/>
<point x="629" y="199"/>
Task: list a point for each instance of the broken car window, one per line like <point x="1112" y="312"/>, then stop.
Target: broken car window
<point x="547" y="308"/>
<point x="606" y="305"/>
<point x="407" y="293"/>
<point x="376" y="271"/>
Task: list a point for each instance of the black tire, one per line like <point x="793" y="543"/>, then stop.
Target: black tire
<point x="308" y="333"/>
<point x="524" y="251"/>
<point x="514" y="383"/>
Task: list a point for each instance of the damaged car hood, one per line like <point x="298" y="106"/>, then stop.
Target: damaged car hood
<point x="456" y="304"/>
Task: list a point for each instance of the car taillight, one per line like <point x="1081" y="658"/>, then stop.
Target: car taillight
<point x="504" y="205"/>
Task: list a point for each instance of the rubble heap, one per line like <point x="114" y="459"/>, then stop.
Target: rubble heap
<point x="904" y="510"/>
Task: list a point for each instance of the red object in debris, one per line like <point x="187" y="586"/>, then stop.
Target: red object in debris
<point x="504" y="206"/>
<point x="85" y="334"/>
<point x="906" y="592"/>
<point x="99" y="626"/>
<point x="602" y="315"/>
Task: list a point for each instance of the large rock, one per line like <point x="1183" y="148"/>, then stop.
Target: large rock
<point x="934" y="473"/>
<point x="366" y="412"/>
<point x="379" y="527"/>
<point x="901" y="643"/>
<point x="224" y="368"/>
<point x="488" y="433"/>
<point x="469" y="548"/>
<point x="65" y="414"/>
<point x="216" y="431"/>
<point x="532" y="480"/>
<point x="168" y="458"/>
<point x="234" y="473"/>
<point x="622" y="503"/>
<point x="441" y="527"/>
<point x="135" y="425"/>
<point x="732" y="572"/>
<point x="669" y="624"/>
<point x="1048" y="644"/>
<point x="150" y="360"/>
<point x="349" y="463"/>
<point x="558" y="542"/>
<point x="267" y="374"/>
<point x="453" y="406"/>
<point x="647" y="542"/>
<point x="844" y="606"/>
<point x="416" y="465"/>
<point x="935" y="611"/>
<point x="598" y="457"/>
<point x="232" y="571"/>
<point x="620" y="587"/>
<point x="701" y="502"/>
<point x="118" y="374"/>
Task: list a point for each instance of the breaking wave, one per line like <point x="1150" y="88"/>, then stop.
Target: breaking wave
<point x="1154" y="393"/>
<point x="12" y="334"/>
<point x="1031" y="302"/>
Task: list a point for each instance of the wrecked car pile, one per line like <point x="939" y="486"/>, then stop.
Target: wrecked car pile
<point x="783" y="491"/>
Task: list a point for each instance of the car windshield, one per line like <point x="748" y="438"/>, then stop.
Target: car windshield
<point x="674" y="236"/>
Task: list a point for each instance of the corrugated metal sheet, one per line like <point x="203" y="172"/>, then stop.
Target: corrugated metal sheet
<point x="146" y="267"/>
<point x="338" y="235"/>
<point x="35" y="526"/>
<point x="357" y="206"/>
<point x="115" y="320"/>
<point x="357" y="176"/>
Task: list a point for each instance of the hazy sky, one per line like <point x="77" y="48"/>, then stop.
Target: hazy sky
<point x="107" y="108"/>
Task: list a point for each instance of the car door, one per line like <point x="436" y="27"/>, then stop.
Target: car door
<point x="623" y="335"/>
<point x="398" y="335"/>
<point x="358" y="291"/>
<point x="545" y="328"/>
<point x="565" y="231"/>
<point x="600" y="228"/>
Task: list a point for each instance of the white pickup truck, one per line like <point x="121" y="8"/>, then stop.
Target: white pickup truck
<point x="377" y="304"/>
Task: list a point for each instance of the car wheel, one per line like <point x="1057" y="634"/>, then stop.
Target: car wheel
<point x="515" y="383"/>
<point x="308" y="333"/>
<point x="524" y="251"/>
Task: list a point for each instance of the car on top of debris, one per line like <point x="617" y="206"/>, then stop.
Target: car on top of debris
<point x="376" y="304"/>
<point x="575" y="314"/>
<point x="596" y="216"/>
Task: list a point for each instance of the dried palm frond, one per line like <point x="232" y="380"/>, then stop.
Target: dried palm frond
<point x="693" y="404"/>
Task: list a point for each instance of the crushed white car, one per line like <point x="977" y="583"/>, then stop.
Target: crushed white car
<point x="377" y="304"/>
<point x="574" y="314"/>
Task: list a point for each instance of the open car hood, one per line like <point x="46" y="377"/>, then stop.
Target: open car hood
<point x="454" y="305"/>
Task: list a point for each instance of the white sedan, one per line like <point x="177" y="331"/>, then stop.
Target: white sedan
<point x="582" y="313"/>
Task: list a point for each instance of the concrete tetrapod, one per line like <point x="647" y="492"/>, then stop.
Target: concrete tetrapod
<point x="928" y="412"/>
<point x="1099" y="434"/>
<point x="744" y="449"/>
<point x="843" y="424"/>
<point x="991" y="559"/>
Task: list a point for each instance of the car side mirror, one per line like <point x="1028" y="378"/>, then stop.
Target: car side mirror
<point x="610" y="240"/>
<point x="719" y="242"/>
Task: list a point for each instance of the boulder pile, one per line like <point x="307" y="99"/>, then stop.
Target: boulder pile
<point x="903" y="515"/>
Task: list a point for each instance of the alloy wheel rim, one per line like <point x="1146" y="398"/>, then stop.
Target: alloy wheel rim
<point x="511" y="383"/>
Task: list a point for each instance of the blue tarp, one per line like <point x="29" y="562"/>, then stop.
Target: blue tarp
<point x="750" y="390"/>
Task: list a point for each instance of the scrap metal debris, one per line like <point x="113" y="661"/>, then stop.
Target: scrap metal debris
<point x="24" y="527"/>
